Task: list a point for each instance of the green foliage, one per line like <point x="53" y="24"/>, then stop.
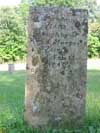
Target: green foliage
<point x="23" y="10"/>
<point x="93" y="46"/>
<point x="71" y="3"/>
<point x="12" y="35"/>
<point x="94" y="28"/>
<point x="94" y="40"/>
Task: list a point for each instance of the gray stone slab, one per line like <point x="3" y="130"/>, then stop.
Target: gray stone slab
<point x="56" y="67"/>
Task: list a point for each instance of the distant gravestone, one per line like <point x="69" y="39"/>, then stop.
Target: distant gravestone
<point x="10" y="68"/>
<point x="56" y="67"/>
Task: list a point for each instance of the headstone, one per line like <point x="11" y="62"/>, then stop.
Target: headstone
<point x="56" y="67"/>
<point x="10" y="68"/>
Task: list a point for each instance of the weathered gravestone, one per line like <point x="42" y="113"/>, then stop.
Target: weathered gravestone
<point x="56" y="66"/>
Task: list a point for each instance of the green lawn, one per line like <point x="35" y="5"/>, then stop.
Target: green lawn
<point x="12" y="103"/>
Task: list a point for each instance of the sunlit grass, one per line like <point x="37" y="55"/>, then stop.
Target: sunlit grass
<point x="93" y="97"/>
<point x="11" y="98"/>
<point x="12" y="102"/>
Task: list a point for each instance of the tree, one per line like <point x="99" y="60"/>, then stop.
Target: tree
<point x="93" y="46"/>
<point x="12" y="35"/>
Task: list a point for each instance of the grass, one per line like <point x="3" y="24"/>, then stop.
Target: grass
<point x="93" y="97"/>
<point x="12" y="104"/>
<point x="11" y="99"/>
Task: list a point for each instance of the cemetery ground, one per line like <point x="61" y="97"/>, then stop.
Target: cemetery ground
<point x="12" y="104"/>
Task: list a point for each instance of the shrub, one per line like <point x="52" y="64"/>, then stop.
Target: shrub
<point x="12" y="35"/>
<point x="94" y="28"/>
<point x="93" y="46"/>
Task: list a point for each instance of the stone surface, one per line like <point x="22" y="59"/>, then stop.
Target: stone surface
<point x="56" y="67"/>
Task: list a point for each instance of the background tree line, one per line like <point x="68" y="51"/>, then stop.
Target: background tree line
<point x="13" y="21"/>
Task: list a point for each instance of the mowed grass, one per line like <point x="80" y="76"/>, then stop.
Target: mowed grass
<point x="11" y="98"/>
<point x="93" y="97"/>
<point x="12" y="87"/>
